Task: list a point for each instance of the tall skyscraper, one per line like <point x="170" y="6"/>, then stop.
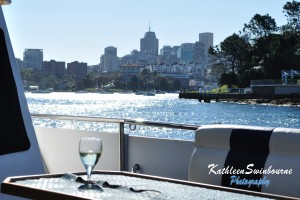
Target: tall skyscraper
<point x="33" y="58"/>
<point x="149" y="44"/>
<point x="207" y="39"/>
<point x="109" y="61"/>
<point x="112" y="51"/>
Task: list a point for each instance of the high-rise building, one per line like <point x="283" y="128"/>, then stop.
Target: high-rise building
<point x="207" y="39"/>
<point x="79" y="69"/>
<point x="168" y="55"/>
<point x="55" y="68"/>
<point x="149" y="44"/>
<point x="199" y="53"/>
<point x="20" y="63"/>
<point x="112" y="51"/>
<point x="166" y="50"/>
<point x="33" y="58"/>
<point x="186" y="53"/>
<point x="165" y="55"/>
<point x="109" y="61"/>
<point x="174" y="50"/>
<point x="128" y="71"/>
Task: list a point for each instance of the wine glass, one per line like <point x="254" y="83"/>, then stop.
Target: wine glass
<point x="90" y="150"/>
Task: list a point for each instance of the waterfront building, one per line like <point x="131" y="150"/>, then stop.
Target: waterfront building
<point x="186" y="53"/>
<point x="149" y="44"/>
<point x="162" y="68"/>
<point x="109" y="61"/>
<point x="288" y="85"/>
<point x="128" y="71"/>
<point x="56" y="68"/>
<point x="156" y="68"/>
<point x="93" y="68"/>
<point x="181" y="79"/>
<point x="20" y="63"/>
<point x="78" y="69"/>
<point x="33" y="58"/>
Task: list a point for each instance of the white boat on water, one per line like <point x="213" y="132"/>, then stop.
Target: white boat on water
<point x="47" y="91"/>
<point x="160" y="92"/>
<point x="149" y="93"/>
<point x="139" y="93"/>
<point x="218" y="152"/>
<point x="81" y="92"/>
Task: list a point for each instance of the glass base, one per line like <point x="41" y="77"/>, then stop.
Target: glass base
<point x="90" y="186"/>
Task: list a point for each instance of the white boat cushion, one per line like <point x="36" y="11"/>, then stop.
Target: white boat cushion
<point x="211" y="147"/>
<point x="284" y="155"/>
<point x="247" y="148"/>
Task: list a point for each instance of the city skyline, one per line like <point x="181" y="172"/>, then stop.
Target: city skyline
<point x="71" y="32"/>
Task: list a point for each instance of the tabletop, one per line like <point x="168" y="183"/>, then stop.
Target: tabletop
<point x="120" y="185"/>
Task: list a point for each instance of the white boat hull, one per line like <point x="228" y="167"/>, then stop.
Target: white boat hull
<point x="160" y="157"/>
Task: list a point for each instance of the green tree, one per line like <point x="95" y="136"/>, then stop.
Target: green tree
<point x="26" y="73"/>
<point x="229" y="79"/>
<point x="164" y="84"/>
<point x="236" y="49"/>
<point x="262" y="51"/>
<point x="50" y="81"/>
<point x="134" y="85"/>
<point x="233" y="55"/>
<point x="292" y="12"/>
<point x="283" y="57"/>
<point x="69" y="82"/>
<point x="91" y="80"/>
<point x="260" y="26"/>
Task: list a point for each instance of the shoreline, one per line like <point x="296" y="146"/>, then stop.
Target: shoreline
<point x="273" y="102"/>
<point x="263" y="99"/>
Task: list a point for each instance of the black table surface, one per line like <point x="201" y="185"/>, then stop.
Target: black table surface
<point x="121" y="185"/>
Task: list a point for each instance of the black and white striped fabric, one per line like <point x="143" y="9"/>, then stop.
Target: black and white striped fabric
<point x="247" y="157"/>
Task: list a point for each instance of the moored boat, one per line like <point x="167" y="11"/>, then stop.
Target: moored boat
<point x="139" y="93"/>
<point x="81" y="91"/>
<point x="47" y="91"/>
<point x="149" y="93"/>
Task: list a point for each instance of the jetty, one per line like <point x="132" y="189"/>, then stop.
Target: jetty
<point x="293" y="99"/>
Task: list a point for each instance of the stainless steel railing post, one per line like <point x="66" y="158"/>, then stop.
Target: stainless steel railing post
<point x="122" y="146"/>
<point x="121" y="122"/>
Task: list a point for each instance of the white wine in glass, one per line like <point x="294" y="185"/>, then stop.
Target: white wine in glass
<point x="90" y="150"/>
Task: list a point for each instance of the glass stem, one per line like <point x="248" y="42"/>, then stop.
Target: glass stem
<point x="89" y="172"/>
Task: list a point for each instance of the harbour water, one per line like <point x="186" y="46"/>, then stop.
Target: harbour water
<point x="158" y="108"/>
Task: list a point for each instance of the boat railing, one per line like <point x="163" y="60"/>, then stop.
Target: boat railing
<point x="121" y="124"/>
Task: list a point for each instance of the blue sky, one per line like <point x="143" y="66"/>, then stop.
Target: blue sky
<point x="76" y="30"/>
